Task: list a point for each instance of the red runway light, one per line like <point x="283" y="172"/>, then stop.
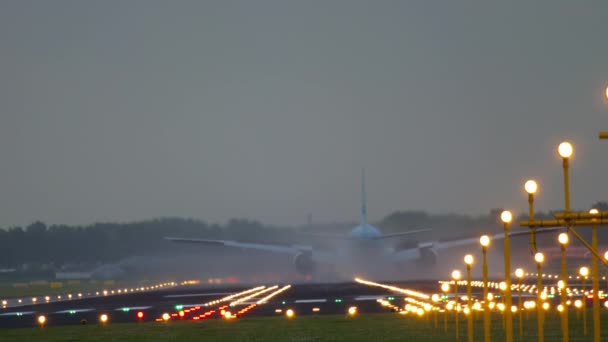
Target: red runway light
<point x="140" y="314"/>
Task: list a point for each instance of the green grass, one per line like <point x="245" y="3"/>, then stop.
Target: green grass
<point x="370" y="327"/>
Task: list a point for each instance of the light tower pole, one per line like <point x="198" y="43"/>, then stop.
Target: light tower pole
<point x="584" y="272"/>
<point x="456" y="277"/>
<point x="531" y="188"/>
<point x="539" y="258"/>
<point x="519" y="273"/>
<point x="565" y="151"/>
<point x="595" y="279"/>
<point x="484" y="241"/>
<point x="563" y="241"/>
<point x="445" y="287"/>
<point x="506" y="218"/>
<point x="468" y="260"/>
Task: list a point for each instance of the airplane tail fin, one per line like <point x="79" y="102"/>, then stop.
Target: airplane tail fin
<point x="363" y="199"/>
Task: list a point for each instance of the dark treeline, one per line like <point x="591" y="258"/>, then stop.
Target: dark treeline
<point x="109" y="242"/>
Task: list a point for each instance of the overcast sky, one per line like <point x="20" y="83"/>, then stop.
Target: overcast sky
<point x="268" y="110"/>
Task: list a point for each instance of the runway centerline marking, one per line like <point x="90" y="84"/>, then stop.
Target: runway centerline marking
<point x="320" y="300"/>
<point x="132" y="308"/>
<point x="17" y="313"/>
<point x="368" y="297"/>
<point x="73" y="311"/>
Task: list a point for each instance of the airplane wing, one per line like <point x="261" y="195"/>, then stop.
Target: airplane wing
<point x="282" y="249"/>
<point x="409" y="232"/>
<point x="445" y="244"/>
<point x="347" y="237"/>
<point x="414" y="253"/>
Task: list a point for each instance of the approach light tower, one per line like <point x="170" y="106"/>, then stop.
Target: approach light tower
<point x="506" y="218"/>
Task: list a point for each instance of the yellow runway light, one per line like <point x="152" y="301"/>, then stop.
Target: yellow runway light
<point x="290" y="313"/>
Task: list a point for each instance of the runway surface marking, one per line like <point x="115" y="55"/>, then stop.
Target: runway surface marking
<point x="196" y="295"/>
<point x="320" y="300"/>
<point x="273" y="294"/>
<point x="73" y="311"/>
<point x="368" y="297"/>
<point x="129" y="308"/>
<point x="21" y="313"/>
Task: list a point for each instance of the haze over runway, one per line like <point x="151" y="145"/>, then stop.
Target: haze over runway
<point x="267" y="110"/>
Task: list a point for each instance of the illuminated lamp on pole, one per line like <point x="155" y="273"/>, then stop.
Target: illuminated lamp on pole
<point x="484" y="241"/>
<point x="595" y="278"/>
<point x="565" y="151"/>
<point x="456" y="276"/>
<point x="445" y="287"/>
<point x="563" y="242"/>
<point x="468" y="260"/>
<point x="539" y="258"/>
<point x="531" y="188"/>
<point x="584" y="272"/>
<point x="506" y="218"/>
<point x="519" y="274"/>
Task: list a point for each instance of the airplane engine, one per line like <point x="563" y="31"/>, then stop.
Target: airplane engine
<point x="304" y="264"/>
<point x="428" y="257"/>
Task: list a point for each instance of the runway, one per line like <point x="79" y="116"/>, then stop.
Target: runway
<point x="196" y="303"/>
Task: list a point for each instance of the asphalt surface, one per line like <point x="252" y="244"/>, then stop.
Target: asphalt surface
<point x="304" y="299"/>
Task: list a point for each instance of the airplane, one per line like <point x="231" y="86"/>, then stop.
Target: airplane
<point x="364" y="248"/>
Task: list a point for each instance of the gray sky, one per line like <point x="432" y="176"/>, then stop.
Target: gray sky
<point x="128" y="110"/>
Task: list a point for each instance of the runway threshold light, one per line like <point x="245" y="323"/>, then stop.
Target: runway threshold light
<point x="290" y="313"/>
